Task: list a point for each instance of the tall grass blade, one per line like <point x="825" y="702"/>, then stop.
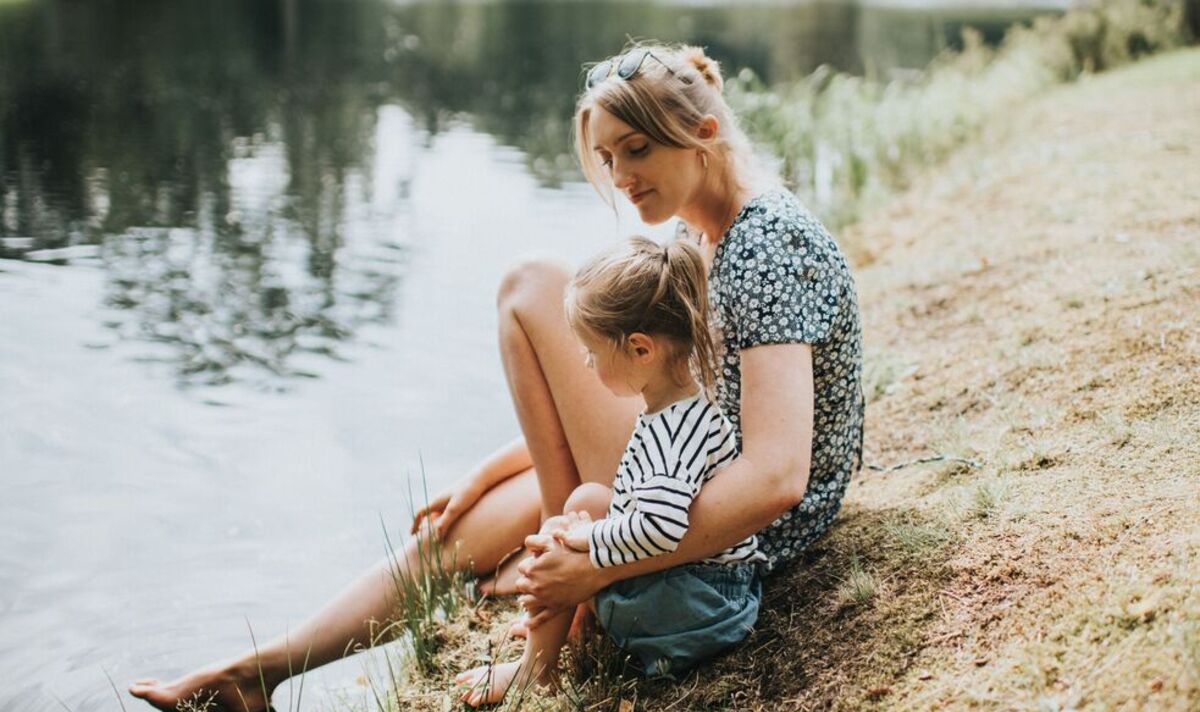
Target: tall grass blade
<point x="113" y="685"/>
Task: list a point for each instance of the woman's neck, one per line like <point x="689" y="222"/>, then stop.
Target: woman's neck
<point x="713" y="209"/>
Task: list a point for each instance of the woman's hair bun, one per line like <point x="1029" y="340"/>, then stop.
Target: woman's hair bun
<point x="708" y="67"/>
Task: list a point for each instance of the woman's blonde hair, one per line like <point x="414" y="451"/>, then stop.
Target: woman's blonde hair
<point x="643" y="287"/>
<point x="675" y="88"/>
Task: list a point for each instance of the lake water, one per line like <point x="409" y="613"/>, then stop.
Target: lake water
<point x="248" y="257"/>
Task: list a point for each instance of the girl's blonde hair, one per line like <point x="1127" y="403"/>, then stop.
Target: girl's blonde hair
<point x="643" y="287"/>
<point x="675" y="88"/>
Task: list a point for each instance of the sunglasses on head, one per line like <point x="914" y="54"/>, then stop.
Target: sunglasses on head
<point x="626" y="66"/>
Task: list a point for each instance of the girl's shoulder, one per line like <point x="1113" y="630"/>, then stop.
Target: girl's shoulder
<point x="685" y="412"/>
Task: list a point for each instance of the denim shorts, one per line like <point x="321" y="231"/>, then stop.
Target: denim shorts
<point x="673" y="619"/>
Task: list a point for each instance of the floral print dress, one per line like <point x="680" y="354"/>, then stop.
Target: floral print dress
<point x="779" y="277"/>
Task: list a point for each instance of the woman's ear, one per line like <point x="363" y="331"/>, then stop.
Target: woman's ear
<point x="708" y="128"/>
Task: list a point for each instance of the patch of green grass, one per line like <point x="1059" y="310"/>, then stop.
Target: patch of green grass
<point x="918" y="539"/>
<point x="858" y="588"/>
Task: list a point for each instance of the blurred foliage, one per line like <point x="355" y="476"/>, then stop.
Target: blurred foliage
<point x="845" y="142"/>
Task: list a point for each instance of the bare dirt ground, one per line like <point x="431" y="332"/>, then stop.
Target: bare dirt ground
<point x="1032" y="308"/>
<point x="1037" y="301"/>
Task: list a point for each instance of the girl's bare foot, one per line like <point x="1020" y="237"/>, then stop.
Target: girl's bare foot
<point x="487" y="684"/>
<point x="227" y="688"/>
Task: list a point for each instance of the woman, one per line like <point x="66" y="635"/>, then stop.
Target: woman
<point x="653" y="125"/>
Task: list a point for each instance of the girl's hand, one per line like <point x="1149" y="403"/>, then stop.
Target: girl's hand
<point x="577" y="532"/>
<point x="442" y="511"/>
<point x="555" y="579"/>
<point x="555" y="524"/>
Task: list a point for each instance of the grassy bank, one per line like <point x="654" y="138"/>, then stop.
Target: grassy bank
<point x="1031" y="308"/>
<point x="1031" y="321"/>
<point x="848" y="143"/>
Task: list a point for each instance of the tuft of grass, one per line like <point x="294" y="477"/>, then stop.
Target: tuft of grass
<point x="858" y="588"/>
<point x="882" y="374"/>
<point x="918" y="539"/>
<point x="429" y="605"/>
<point x="424" y="600"/>
<point x="1188" y="641"/>
<point x="987" y="500"/>
<point x="198" y="702"/>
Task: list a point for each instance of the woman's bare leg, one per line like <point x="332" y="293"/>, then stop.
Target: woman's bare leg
<point x="497" y="524"/>
<point x="576" y="429"/>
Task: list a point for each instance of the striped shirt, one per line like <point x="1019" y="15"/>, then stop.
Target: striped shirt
<point x="670" y="456"/>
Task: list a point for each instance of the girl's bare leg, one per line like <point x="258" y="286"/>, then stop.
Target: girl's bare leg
<point x="576" y="429"/>
<point x="538" y="665"/>
<point x="497" y="524"/>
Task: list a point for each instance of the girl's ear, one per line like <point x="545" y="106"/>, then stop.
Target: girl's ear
<point x="641" y="346"/>
<point x="708" y="128"/>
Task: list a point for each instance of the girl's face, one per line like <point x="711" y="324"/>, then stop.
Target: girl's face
<point x="617" y="369"/>
<point x="659" y="180"/>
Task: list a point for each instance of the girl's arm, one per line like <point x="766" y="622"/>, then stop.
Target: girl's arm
<point x="657" y="507"/>
<point x="769" y="478"/>
<point x="444" y="509"/>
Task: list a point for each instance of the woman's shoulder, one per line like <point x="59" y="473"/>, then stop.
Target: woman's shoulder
<point x="775" y="222"/>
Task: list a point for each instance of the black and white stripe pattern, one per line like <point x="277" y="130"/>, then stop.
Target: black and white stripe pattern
<point x="670" y="456"/>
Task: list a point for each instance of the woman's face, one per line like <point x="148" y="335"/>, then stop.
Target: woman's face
<point x="657" y="179"/>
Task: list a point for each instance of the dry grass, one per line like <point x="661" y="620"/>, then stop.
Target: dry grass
<point x="1046" y="282"/>
<point x="1034" y="305"/>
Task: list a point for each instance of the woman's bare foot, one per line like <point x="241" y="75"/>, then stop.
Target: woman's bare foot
<point x="487" y="684"/>
<point x="227" y="688"/>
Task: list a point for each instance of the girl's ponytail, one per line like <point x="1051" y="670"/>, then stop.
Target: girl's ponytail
<point x="689" y="283"/>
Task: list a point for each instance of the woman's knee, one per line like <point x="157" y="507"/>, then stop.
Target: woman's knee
<point x="533" y="282"/>
<point x="590" y="497"/>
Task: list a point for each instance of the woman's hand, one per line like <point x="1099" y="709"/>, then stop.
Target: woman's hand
<point x="442" y="511"/>
<point x="555" y="579"/>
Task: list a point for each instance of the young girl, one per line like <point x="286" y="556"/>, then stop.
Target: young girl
<point x="641" y="313"/>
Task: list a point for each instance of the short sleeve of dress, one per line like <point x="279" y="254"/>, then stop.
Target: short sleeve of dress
<point x="786" y="287"/>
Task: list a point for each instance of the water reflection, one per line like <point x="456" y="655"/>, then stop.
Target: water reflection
<point x="228" y="164"/>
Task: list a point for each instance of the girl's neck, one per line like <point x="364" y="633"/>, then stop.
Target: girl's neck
<point x="667" y="391"/>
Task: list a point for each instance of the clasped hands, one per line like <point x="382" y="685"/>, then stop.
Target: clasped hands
<point x="559" y="573"/>
<point x="572" y="530"/>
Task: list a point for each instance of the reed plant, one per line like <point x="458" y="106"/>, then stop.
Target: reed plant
<point x="846" y="143"/>
<point x="427" y="591"/>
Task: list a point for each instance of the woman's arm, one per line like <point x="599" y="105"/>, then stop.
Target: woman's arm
<point x="444" y="509"/>
<point x="769" y="478"/>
